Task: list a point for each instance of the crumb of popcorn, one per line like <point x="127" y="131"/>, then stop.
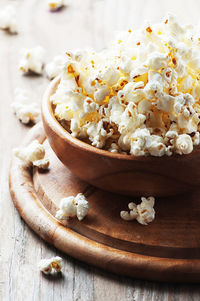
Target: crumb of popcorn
<point x="144" y="213"/>
<point x="47" y="266"/>
<point x="32" y="60"/>
<point x="8" y="20"/>
<point x="55" y="4"/>
<point x="135" y="100"/>
<point x="73" y="206"/>
<point x="32" y="155"/>
<point x="23" y="108"/>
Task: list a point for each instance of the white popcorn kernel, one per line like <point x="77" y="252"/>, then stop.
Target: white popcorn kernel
<point x="31" y="154"/>
<point x="8" y="20"/>
<point x="55" y="67"/>
<point x="144" y="213"/>
<point x="157" y="60"/>
<point x="101" y="93"/>
<point x="110" y="75"/>
<point x="131" y="215"/>
<point x="25" y="110"/>
<point x="32" y="60"/>
<point x="97" y="134"/>
<point x="171" y="134"/>
<point x="196" y="138"/>
<point x="89" y="106"/>
<point x="114" y="148"/>
<point x="138" y="142"/>
<point x="156" y="146"/>
<point x="184" y="144"/>
<point x="42" y="163"/>
<point x="52" y="264"/>
<point x="73" y="206"/>
<point x="82" y="206"/>
<point x="127" y="216"/>
<point x="67" y="208"/>
<point x="55" y="4"/>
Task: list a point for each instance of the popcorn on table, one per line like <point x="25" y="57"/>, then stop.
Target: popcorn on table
<point x="144" y="213"/>
<point x="132" y="96"/>
<point x="8" y="19"/>
<point x="24" y="109"/>
<point x="47" y="266"/>
<point x="55" y="67"/>
<point x="55" y="4"/>
<point x="33" y="155"/>
<point x="32" y="60"/>
<point x="73" y="207"/>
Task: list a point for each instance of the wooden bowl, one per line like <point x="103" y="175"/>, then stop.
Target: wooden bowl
<point x="124" y="174"/>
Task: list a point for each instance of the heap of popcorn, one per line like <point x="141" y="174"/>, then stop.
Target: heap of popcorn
<point x="140" y="96"/>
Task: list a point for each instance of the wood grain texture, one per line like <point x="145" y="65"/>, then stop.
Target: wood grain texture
<point x="81" y="24"/>
<point x="123" y="174"/>
<point x="168" y="253"/>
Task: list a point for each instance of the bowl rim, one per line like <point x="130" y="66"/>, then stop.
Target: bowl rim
<point x="49" y="117"/>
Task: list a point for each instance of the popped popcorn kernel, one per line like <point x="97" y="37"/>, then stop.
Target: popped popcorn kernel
<point x="47" y="266"/>
<point x="55" y="4"/>
<point x="8" y="19"/>
<point x="144" y="213"/>
<point x="25" y="110"/>
<point x="32" y="155"/>
<point x="32" y="60"/>
<point x="73" y="207"/>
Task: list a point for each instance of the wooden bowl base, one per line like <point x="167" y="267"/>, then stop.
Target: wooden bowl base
<point x="168" y="249"/>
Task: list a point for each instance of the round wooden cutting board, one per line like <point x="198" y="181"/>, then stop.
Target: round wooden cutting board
<point x="168" y="249"/>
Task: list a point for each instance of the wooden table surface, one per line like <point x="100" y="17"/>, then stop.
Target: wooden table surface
<point x="82" y="23"/>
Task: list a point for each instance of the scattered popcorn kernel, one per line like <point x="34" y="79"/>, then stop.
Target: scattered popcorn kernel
<point x="55" y="67"/>
<point x="8" y="20"/>
<point x="47" y="266"/>
<point x="73" y="206"/>
<point x="42" y="163"/>
<point x="55" y="4"/>
<point x="32" y="155"/>
<point x="32" y="60"/>
<point x="129" y="99"/>
<point x="144" y="213"/>
<point x="24" y="109"/>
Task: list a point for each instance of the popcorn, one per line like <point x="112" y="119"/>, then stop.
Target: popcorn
<point x="73" y="206"/>
<point x="55" y="4"/>
<point x="97" y="134"/>
<point x="144" y="213"/>
<point x="101" y="93"/>
<point x="32" y="155"/>
<point x="157" y="60"/>
<point x="8" y="20"/>
<point x="52" y="264"/>
<point x="129" y="216"/>
<point x="184" y="144"/>
<point x="114" y="148"/>
<point x="32" y="60"/>
<point x="55" y="67"/>
<point x="25" y="110"/>
<point x="140" y="96"/>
